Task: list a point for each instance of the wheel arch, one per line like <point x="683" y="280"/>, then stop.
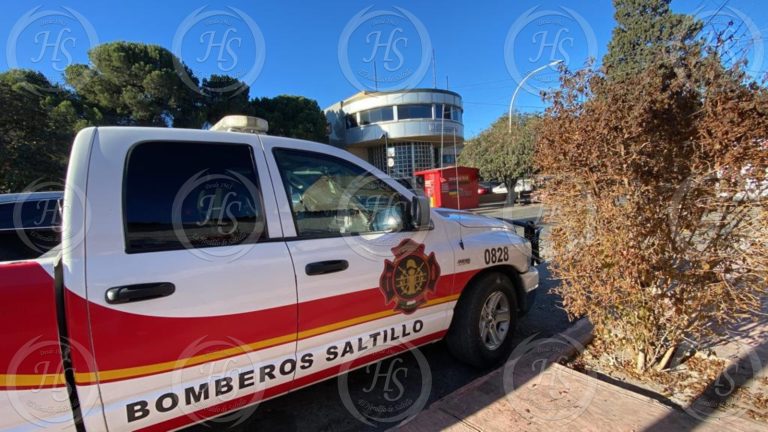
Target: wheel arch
<point x="514" y="275"/>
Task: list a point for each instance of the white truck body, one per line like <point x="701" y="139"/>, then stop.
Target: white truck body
<point x="226" y="324"/>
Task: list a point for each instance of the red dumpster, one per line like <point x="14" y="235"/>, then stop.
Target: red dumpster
<point x="451" y="187"/>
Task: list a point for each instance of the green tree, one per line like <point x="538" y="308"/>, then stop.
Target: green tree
<point x="502" y="155"/>
<point x="38" y="123"/>
<point x="138" y="84"/>
<point x="225" y="95"/>
<point x="292" y="116"/>
<point x="644" y="28"/>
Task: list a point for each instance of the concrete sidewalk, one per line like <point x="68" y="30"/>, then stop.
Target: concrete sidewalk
<point x="532" y="392"/>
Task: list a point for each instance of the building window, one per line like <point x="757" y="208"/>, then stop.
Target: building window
<point x="456" y="113"/>
<point x="444" y="111"/>
<point x="376" y="115"/>
<point x="409" y="157"/>
<point x="420" y="111"/>
<point x="351" y="120"/>
<point x="448" y="112"/>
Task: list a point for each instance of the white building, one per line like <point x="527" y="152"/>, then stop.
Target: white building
<point x="416" y="129"/>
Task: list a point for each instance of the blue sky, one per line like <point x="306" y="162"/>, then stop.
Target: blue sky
<point x="327" y="50"/>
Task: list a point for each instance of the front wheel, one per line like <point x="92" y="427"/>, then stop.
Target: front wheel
<point x="484" y="321"/>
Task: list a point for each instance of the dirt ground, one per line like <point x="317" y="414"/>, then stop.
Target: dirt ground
<point x="723" y="378"/>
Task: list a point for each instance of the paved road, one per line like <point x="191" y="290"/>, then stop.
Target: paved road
<point x="321" y="407"/>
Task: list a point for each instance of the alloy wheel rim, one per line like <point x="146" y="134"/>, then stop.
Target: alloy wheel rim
<point x="494" y="320"/>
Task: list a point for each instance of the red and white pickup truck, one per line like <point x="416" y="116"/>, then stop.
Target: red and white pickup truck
<point x="201" y="272"/>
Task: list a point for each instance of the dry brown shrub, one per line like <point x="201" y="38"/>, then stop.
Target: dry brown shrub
<point x="654" y="237"/>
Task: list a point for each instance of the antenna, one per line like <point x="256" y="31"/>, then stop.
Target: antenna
<point x="456" y="170"/>
<point x="458" y="191"/>
<point x="375" y="78"/>
<point x="442" y="133"/>
<point x="446" y="82"/>
<point x="434" y="70"/>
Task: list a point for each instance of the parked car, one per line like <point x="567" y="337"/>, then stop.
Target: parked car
<point x="485" y="188"/>
<point x="752" y="188"/>
<point x="29" y="224"/>
<point x="210" y="271"/>
<point x="523" y="188"/>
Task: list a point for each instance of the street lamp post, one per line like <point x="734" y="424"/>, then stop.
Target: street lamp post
<point x="519" y="86"/>
<point x="385" y="137"/>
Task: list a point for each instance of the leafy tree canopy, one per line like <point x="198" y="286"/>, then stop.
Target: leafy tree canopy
<point x="643" y="29"/>
<point x="225" y="95"/>
<point x="36" y="128"/>
<point x="292" y="116"/>
<point x="137" y="84"/>
<point x="500" y="154"/>
<point x="126" y="83"/>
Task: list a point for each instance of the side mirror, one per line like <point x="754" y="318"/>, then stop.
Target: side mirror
<point x="420" y="217"/>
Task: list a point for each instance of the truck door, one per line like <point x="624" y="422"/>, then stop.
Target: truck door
<point x="191" y="294"/>
<point x="367" y="284"/>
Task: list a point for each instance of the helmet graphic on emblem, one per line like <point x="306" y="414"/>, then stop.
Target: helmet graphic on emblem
<point x="408" y="279"/>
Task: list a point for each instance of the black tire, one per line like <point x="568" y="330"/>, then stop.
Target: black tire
<point x="464" y="338"/>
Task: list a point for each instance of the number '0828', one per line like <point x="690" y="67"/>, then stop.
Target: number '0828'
<point x="497" y="255"/>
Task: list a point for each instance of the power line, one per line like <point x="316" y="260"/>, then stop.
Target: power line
<point x="504" y="105"/>
<point x="716" y="12"/>
<point x="483" y="83"/>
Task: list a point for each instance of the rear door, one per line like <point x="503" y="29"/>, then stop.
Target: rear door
<point x="368" y="285"/>
<point x="190" y="289"/>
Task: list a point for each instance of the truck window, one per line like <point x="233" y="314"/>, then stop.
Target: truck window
<point x="180" y="195"/>
<point x="29" y="228"/>
<point x="331" y="197"/>
<point x="30" y="214"/>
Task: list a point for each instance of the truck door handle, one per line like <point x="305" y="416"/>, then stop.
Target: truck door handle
<point x="138" y="292"/>
<point x="324" y="267"/>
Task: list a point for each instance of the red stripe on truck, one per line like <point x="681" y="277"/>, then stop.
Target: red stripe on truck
<point x="30" y="354"/>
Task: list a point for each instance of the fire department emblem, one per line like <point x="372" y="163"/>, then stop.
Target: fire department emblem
<point x="409" y="277"/>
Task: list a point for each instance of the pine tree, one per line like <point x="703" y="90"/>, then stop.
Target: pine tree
<point x="645" y="29"/>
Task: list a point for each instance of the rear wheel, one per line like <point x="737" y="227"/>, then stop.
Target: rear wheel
<point x="484" y="321"/>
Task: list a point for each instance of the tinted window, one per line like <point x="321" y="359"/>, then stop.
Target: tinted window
<point x="351" y="121"/>
<point x="449" y="112"/>
<point x="456" y="113"/>
<point x="376" y="115"/>
<point x="30" y="214"/>
<point x="414" y="111"/>
<point x="29" y="228"/>
<point x="444" y="111"/>
<point x="332" y="197"/>
<point x="191" y="195"/>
